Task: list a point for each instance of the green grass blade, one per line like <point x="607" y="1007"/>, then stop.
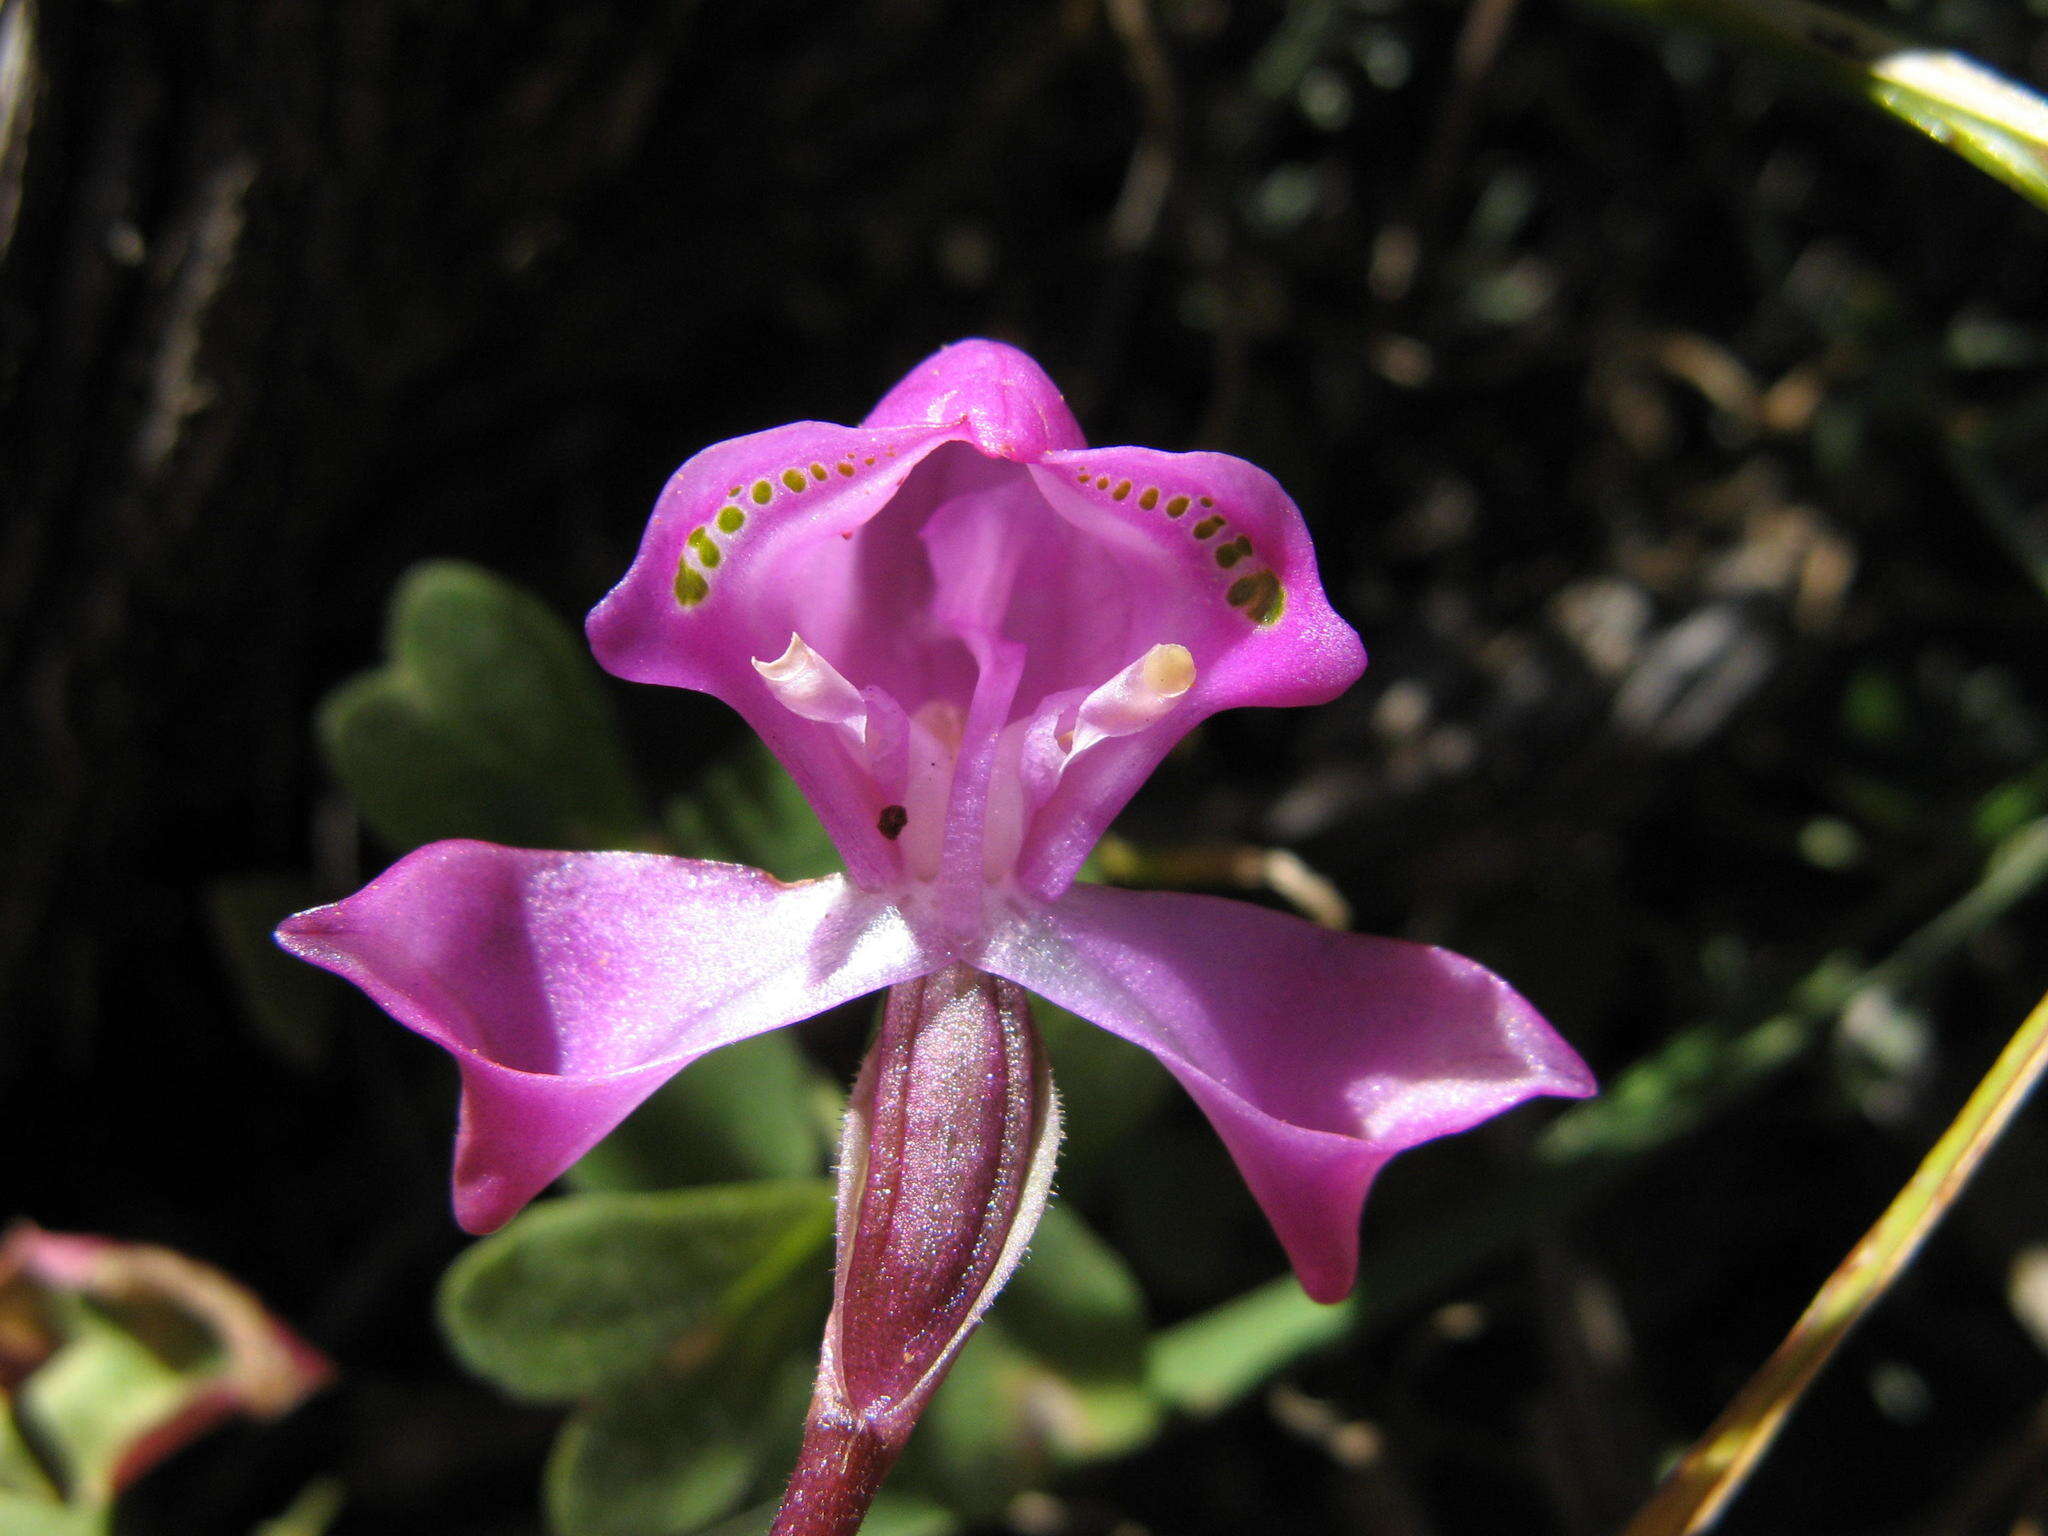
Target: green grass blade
<point x="1997" y="125"/>
<point x="1718" y="1464"/>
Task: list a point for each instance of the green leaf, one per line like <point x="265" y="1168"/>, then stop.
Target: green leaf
<point x="592" y="1290"/>
<point x="671" y="1455"/>
<point x="749" y="811"/>
<point x="743" y="1112"/>
<point x="92" y="1400"/>
<point x="894" y="1513"/>
<point x="904" y="1514"/>
<point x="1211" y="1360"/>
<point x="684" y="1444"/>
<point x="1077" y="1309"/>
<point x="1108" y="1086"/>
<point x="21" y="1472"/>
<point x="290" y="1003"/>
<point x="316" y="1508"/>
<point x="487" y="720"/>
<point x="1055" y="1377"/>
<point x="1998" y="126"/>
<point x="30" y="1517"/>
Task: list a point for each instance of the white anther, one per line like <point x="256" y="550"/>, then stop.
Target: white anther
<point x="897" y="755"/>
<point x="1143" y="692"/>
<point x="807" y="684"/>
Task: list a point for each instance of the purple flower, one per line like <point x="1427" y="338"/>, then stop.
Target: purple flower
<point x="970" y="638"/>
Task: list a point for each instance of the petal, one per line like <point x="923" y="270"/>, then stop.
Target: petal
<point x="749" y="544"/>
<point x="913" y="553"/>
<point x="1008" y="406"/>
<point x="1235" y="583"/>
<point x="1317" y="1055"/>
<point x="569" y="986"/>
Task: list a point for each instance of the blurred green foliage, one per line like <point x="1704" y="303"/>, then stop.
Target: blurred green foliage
<point x="487" y="720"/>
<point x="114" y="1356"/>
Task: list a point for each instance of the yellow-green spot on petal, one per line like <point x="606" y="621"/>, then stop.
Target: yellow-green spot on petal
<point x="734" y="493"/>
<point x="1260" y="595"/>
<point x="1123" y="489"/>
<point x="705" y="548"/>
<point x="731" y="519"/>
<point x="1237" y="549"/>
<point x="1102" y="482"/>
<point x="1177" y="507"/>
<point x="1207" y="502"/>
<point x="846" y="468"/>
<point x="1206" y="527"/>
<point x="763" y="493"/>
<point x="1083" y="477"/>
<point x="691" y="587"/>
<point x="1149" y="497"/>
<point x="794" y="479"/>
<point x="869" y="459"/>
<point x="819" y="472"/>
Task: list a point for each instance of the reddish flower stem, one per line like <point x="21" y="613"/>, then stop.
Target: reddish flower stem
<point x="838" y="1472"/>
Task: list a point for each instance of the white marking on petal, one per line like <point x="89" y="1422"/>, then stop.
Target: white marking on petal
<point x="1144" y="692"/>
<point x="908" y="759"/>
<point x="806" y="684"/>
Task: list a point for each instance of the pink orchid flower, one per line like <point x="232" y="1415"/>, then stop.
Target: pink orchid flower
<point x="970" y="638"/>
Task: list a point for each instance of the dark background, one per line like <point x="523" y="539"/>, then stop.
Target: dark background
<point x="1618" y="378"/>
